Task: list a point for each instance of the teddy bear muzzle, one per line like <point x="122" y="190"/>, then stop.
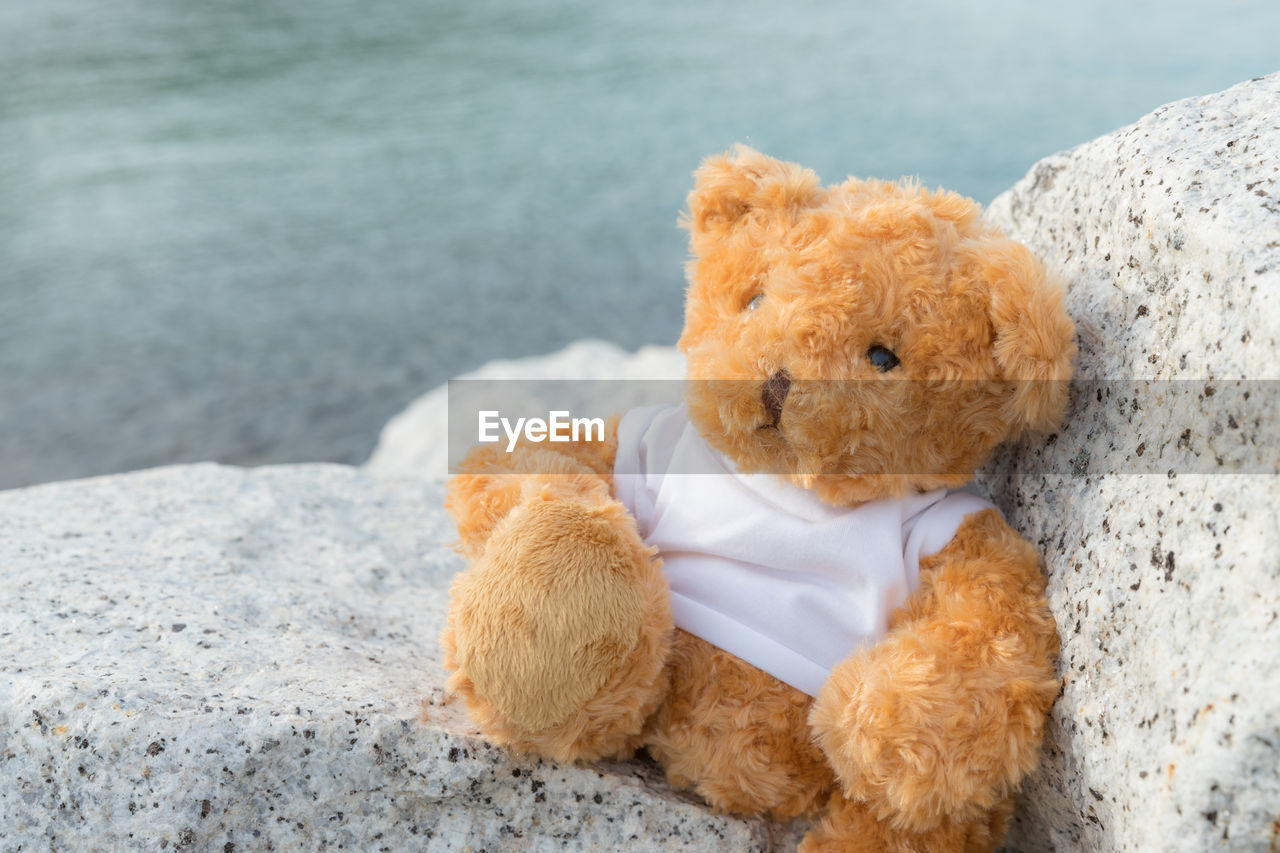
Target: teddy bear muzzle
<point x="773" y="394"/>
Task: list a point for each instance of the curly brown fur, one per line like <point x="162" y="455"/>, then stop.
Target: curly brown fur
<point x="560" y="636"/>
<point x="979" y="329"/>
<point x="575" y="665"/>
<point x="737" y="735"/>
<point x="850" y="826"/>
<point x="943" y="718"/>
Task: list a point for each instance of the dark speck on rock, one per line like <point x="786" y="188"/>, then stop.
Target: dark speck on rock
<point x="179" y="627"/>
<point x="155" y="748"/>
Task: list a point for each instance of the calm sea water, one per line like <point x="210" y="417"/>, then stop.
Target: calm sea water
<point x="252" y="230"/>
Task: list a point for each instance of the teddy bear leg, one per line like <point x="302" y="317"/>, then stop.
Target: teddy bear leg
<point x="558" y="633"/>
<point x="491" y="481"/>
<point x="736" y="735"/>
<point x="850" y="827"/>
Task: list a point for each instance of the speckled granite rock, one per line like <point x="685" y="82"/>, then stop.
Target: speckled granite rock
<point x="202" y="657"/>
<point x="414" y="442"/>
<point x="1165" y="580"/>
<point x="208" y="658"/>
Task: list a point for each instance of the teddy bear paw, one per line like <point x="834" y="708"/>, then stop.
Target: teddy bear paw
<point x="551" y="610"/>
<point x="922" y="741"/>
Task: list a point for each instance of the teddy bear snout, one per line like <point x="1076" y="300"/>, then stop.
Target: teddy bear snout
<point x="774" y="393"/>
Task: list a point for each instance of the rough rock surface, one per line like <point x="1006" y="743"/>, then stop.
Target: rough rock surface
<point x="414" y="442"/>
<point x="1162" y="545"/>
<point x="1164" y="576"/>
<point x="204" y="657"/>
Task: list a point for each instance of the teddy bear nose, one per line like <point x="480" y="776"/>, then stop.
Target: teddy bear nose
<point x="774" y="394"/>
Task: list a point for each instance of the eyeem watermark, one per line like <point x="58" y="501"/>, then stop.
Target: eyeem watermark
<point x="558" y="426"/>
<point x="1112" y="426"/>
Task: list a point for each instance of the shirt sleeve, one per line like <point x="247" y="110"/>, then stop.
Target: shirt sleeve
<point x="929" y="531"/>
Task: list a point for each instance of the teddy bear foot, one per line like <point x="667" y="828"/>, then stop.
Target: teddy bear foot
<point x="559" y="631"/>
<point x="850" y="827"/>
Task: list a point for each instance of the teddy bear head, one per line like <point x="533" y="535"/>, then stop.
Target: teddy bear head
<point x="866" y="339"/>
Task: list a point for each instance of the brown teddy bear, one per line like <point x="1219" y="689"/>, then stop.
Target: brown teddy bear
<point x="779" y="589"/>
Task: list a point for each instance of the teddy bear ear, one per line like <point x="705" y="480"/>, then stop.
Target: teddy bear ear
<point x="1034" y="338"/>
<point x="734" y="187"/>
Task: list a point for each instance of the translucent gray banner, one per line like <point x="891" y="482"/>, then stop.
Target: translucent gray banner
<point x="1111" y="426"/>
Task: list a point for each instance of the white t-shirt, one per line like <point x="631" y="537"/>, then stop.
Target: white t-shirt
<point x="764" y="569"/>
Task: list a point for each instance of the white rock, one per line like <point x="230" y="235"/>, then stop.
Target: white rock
<point x="1164" y="576"/>
<point x="202" y="656"/>
<point x="198" y="657"/>
<point x="415" y="443"/>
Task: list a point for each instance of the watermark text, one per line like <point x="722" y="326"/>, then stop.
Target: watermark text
<point x="557" y="426"/>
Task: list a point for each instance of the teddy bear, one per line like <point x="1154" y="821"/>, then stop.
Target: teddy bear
<point x="783" y="588"/>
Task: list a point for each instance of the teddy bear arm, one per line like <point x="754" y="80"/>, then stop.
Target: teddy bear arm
<point x="944" y="718"/>
<point x="491" y="481"/>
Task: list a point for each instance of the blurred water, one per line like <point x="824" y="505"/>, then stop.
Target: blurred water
<point x="252" y="230"/>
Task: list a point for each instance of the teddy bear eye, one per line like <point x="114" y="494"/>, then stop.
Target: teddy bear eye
<point x="755" y="302"/>
<point x="883" y="358"/>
